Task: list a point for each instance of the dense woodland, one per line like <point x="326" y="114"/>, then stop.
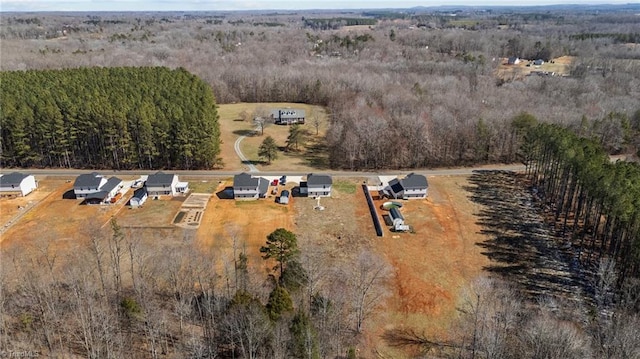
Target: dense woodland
<point x="404" y="89"/>
<point x="417" y="89"/>
<point x="118" y="118"/>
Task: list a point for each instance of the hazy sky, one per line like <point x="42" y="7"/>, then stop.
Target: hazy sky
<point x="195" y="5"/>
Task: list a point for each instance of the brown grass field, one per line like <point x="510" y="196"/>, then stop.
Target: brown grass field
<point x="429" y="266"/>
<point x="63" y="221"/>
<point x="231" y="127"/>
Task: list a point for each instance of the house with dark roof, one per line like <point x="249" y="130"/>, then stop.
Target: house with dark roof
<point x="87" y="184"/>
<point x="287" y="116"/>
<point x="139" y="197"/>
<point x="94" y="188"/>
<point x="165" y="184"/>
<point x="108" y="193"/>
<point x="317" y="185"/>
<point x="513" y="60"/>
<point x="17" y="184"/>
<point x="246" y="186"/>
<point x="413" y="186"/>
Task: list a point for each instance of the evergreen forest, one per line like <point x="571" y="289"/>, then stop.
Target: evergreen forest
<point x="120" y="118"/>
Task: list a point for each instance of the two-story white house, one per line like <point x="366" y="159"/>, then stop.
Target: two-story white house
<point x="95" y="188"/>
<point x="317" y="185"/>
<point x="287" y="116"/>
<point x="165" y="184"/>
<point x="413" y="186"/>
<point x="17" y="184"/>
<point x="87" y="184"/>
<point x="246" y="186"/>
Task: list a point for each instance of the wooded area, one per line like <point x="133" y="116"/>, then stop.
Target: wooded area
<point x="116" y="118"/>
<point x="417" y="89"/>
<point x="594" y="202"/>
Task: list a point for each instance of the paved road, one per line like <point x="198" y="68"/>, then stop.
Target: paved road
<point x="64" y="172"/>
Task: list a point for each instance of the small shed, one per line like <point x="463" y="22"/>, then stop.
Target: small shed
<point x="513" y="60"/>
<point x="284" y="197"/>
<point x="538" y="62"/>
<point x="139" y="197"/>
<point x="396" y="216"/>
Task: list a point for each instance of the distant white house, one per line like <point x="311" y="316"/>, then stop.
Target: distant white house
<point x="413" y="186"/>
<point x="246" y="186"/>
<point x="538" y="62"/>
<point x="287" y="116"/>
<point x="513" y="60"/>
<point x="94" y="188"/>
<point x="317" y="185"/>
<point x="17" y="184"/>
<point x="165" y="184"/>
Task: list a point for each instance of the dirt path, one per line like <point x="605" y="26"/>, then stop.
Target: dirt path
<point x="243" y="158"/>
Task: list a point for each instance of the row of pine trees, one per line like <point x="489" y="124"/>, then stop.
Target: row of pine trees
<point x="594" y="202"/>
<point x="120" y="118"/>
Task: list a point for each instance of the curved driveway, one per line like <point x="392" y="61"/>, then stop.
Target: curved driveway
<point x="245" y="160"/>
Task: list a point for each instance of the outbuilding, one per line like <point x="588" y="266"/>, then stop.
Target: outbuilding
<point x="396" y="216"/>
<point x="284" y="197"/>
<point x="139" y="197"/>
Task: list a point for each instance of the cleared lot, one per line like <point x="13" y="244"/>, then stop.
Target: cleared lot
<point x="60" y="220"/>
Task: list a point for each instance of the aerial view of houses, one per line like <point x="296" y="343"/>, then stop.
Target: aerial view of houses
<point x="17" y="184"/>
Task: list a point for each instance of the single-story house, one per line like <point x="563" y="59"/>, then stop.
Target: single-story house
<point x="139" y="197"/>
<point x="538" y="62"/>
<point x="246" y="186"/>
<point x="413" y="186"/>
<point x="287" y="116"/>
<point x="513" y="60"/>
<point x="317" y="185"/>
<point x="17" y="184"/>
<point x="165" y="184"/>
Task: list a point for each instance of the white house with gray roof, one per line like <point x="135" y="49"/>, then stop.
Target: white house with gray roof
<point x="17" y="184"/>
<point x="287" y="116"/>
<point x="413" y="186"/>
<point x="317" y="185"/>
<point x="165" y="184"/>
<point x="246" y="186"/>
<point x="95" y="188"/>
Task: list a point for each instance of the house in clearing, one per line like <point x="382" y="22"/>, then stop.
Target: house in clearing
<point x="139" y="197"/>
<point x="17" y="184"/>
<point x="413" y="186"/>
<point x="94" y="188"/>
<point x="513" y="60"/>
<point x="246" y="186"/>
<point x="538" y="62"/>
<point x="316" y="185"/>
<point x="287" y="116"/>
<point x="165" y="184"/>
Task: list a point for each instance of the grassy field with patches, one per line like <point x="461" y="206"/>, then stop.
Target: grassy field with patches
<point x="311" y="155"/>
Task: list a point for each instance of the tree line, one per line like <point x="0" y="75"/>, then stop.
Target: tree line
<point x="120" y="118"/>
<point x="594" y="202"/>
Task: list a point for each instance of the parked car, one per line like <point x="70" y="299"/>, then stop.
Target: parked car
<point x="283" y="180"/>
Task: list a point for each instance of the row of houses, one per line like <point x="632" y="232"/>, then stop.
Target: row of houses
<point x="95" y="188"/>
<point x="246" y="186"/>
